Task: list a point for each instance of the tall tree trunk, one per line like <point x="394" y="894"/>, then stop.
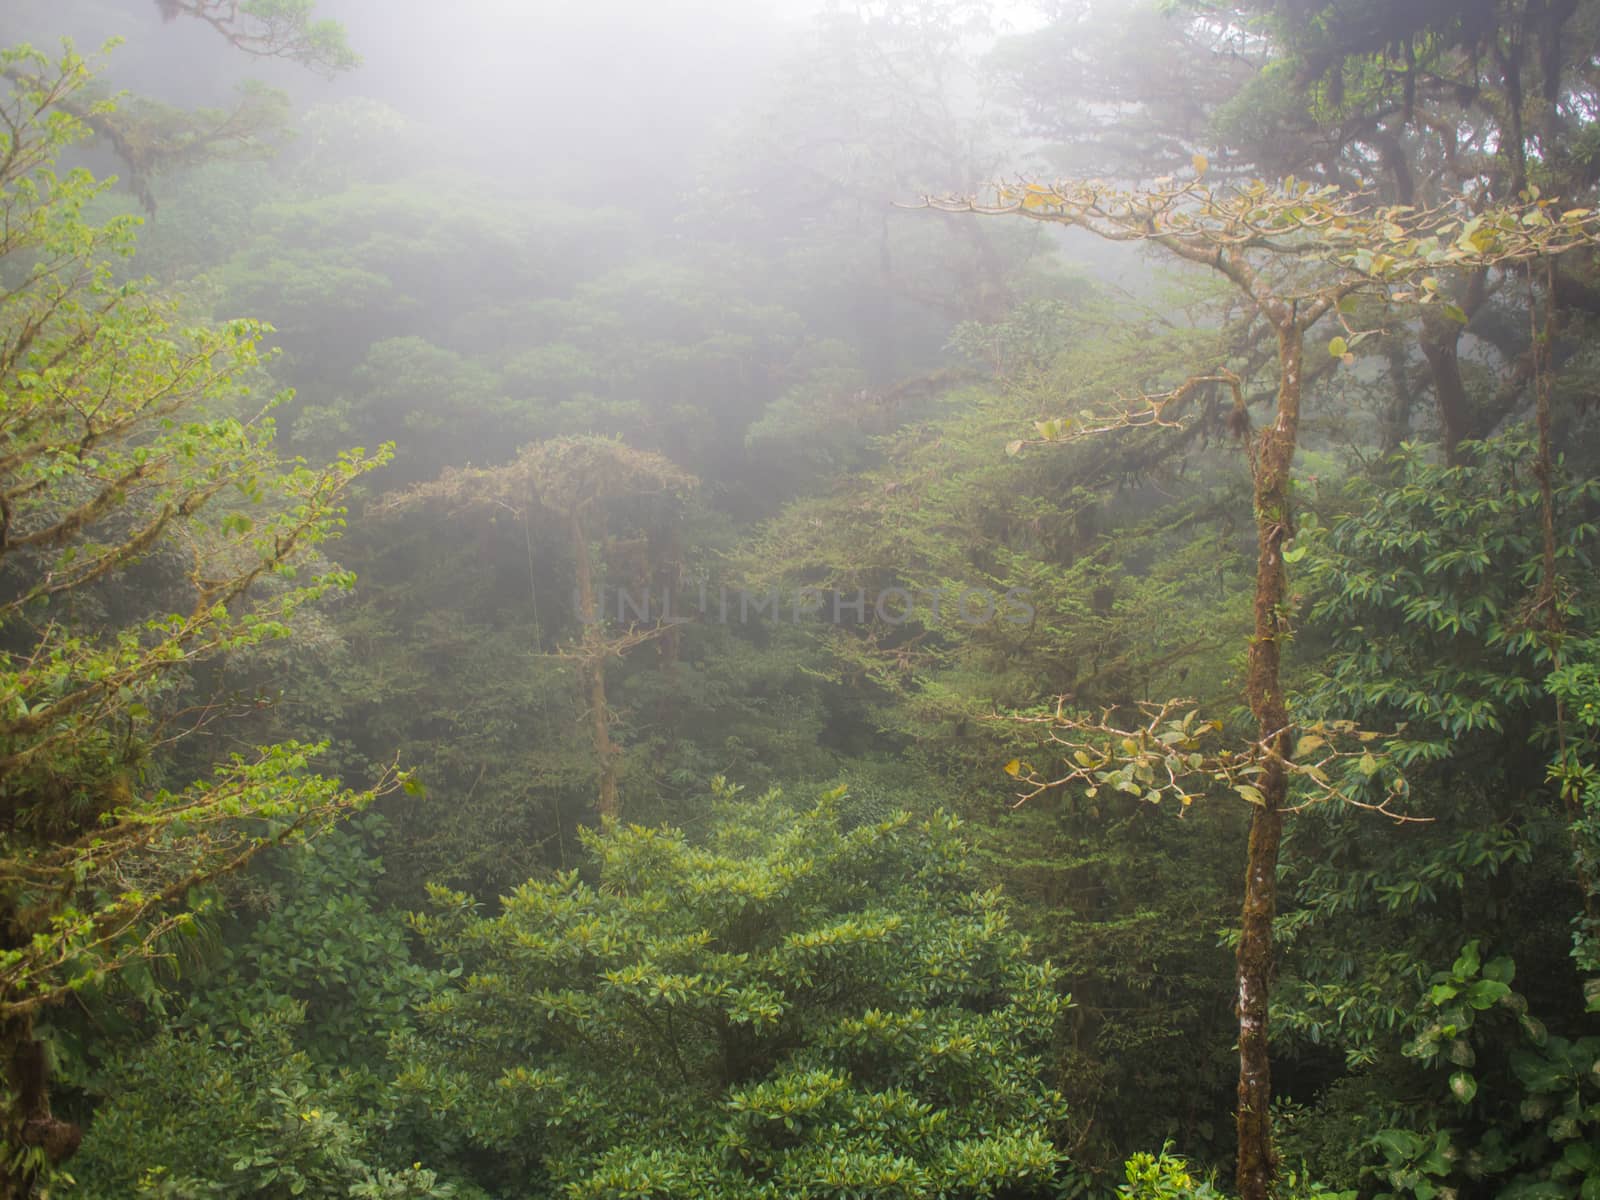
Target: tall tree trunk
<point x="669" y="645"/>
<point x="30" y="1135"/>
<point x="1394" y="426"/>
<point x="593" y="668"/>
<point x="1439" y="341"/>
<point x="1273" y="460"/>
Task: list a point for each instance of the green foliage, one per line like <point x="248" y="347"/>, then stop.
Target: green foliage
<point x="1426" y="620"/>
<point x="321" y="942"/>
<point x="1526" y="1105"/>
<point x="1168" y="1176"/>
<point x="1428" y="581"/>
<point x="1575" y="684"/>
<point x="123" y="457"/>
<point x="1420" y="624"/>
<point x="235" y="1112"/>
<point x="1163" y="1177"/>
<point x="782" y="1001"/>
<point x="1135" y="592"/>
<point x="277" y="1055"/>
<point x="796" y="1006"/>
<point x="273" y="29"/>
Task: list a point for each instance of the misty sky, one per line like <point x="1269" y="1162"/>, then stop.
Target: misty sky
<point x="514" y="73"/>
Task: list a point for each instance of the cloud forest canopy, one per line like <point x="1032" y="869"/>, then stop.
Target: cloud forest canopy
<point x="633" y="808"/>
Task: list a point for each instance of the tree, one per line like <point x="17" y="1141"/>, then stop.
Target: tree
<point x="1440" y="99"/>
<point x="239" y="1114"/>
<point x="1424" y="617"/>
<point x="1129" y="563"/>
<point x="286" y="29"/>
<point x="576" y="479"/>
<point x="278" y="1055"/>
<point x="1576" y="684"/>
<point x="152" y="138"/>
<point x="1296" y="254"/>
<point x="1416" y="104"/>
<point x="807" y="1002"/>
<point x="144" y="530"/>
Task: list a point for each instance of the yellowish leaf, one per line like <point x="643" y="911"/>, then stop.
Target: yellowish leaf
<point x="1307" y="744"/>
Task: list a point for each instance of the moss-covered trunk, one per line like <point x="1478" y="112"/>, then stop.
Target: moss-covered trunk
<point x="33" y="1137"/>
<point x="592" y="667"/>
<point x="1271" y="464"/>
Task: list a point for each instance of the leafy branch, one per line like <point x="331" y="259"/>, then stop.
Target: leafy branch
<point x="1169" y="752"/>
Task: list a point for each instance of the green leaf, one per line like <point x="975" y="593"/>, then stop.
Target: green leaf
<point x="1485" y="993"/>
<point x="1463" y="1086"/>
<point x="1502" y="969"/>
<point x="1398" y="1145"/>
<point x="1537" y="1073"/>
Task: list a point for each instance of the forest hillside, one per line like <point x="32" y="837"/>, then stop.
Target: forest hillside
<point x="722" y="601"/>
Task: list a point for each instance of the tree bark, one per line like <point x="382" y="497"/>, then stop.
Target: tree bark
<point x="593" y="669"/>
<point x="1394" y="427"/>
<point x="1439" y="341"/>
<point x="32" y="1136"/>
<point x="1273" y="460"/>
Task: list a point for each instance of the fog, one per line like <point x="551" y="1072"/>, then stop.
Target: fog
<point x="772" y="130"/>
<point x="563" y="85"/>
